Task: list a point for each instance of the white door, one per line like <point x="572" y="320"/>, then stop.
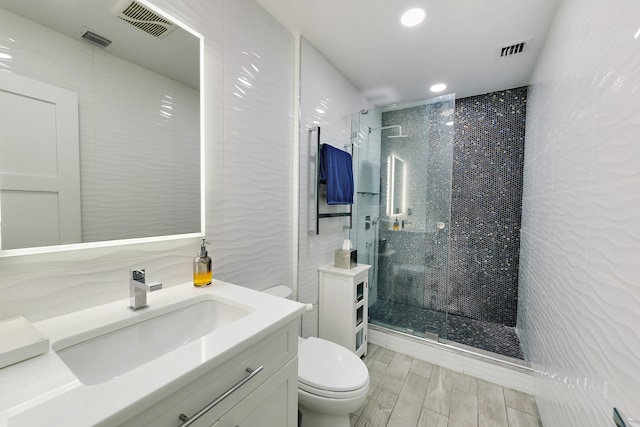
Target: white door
<point x="39" y="164"/>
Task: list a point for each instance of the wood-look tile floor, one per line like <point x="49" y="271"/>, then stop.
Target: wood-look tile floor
<point x="407" y="392"/>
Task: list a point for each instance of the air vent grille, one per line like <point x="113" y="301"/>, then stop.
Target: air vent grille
<point x="96" y="39"/>
<point x="145" y="19"/>
<point x="513" y="49"/>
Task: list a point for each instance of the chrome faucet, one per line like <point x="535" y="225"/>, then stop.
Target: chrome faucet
<point x="138" y="289"/>
<point x="405" y="223"/>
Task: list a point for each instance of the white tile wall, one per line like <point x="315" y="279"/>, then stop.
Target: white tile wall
<point x="580" y="252"/>
<point x="258" y="147"/>
<point x="322" y="87"/>
<point x="47" y="285"/>
<point x="248" y="176"/>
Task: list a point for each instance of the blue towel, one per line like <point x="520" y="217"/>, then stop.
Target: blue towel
<point x="337" y="171"/>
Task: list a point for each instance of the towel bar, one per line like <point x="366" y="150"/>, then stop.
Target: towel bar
<point x="318" y="215"/>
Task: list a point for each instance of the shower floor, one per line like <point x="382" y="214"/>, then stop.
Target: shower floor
<point x="418" y="321"/>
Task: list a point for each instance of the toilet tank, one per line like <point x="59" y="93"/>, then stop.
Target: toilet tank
<point x="279" y="291"/>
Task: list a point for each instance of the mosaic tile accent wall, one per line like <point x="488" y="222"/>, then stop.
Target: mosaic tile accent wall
<point x="486" y="204"/>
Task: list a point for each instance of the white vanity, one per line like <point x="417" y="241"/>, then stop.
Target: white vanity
<point x="222" y="356"/>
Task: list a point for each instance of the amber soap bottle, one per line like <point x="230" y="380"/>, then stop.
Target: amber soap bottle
<point x="202" y="267"/>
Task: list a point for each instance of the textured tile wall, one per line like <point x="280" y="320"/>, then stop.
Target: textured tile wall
<point x="579" y="291"/>
<point x="323" y="88"/>
<point x="486" y="199"/>
<point x="248" y="154"/>
<point x="258" y="148"/>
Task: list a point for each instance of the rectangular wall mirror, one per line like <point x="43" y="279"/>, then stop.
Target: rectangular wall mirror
<point x="101" y="112"/>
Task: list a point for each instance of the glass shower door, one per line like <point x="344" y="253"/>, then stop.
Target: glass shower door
<point x="366" y="161"/>
<point x="409" y="231"/>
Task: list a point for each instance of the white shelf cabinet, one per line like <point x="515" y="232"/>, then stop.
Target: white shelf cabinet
<point x="343" y="299"/>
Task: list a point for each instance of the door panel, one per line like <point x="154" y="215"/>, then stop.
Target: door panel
<point x="39" y="164"/>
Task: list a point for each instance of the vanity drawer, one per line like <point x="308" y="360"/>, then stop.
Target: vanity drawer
<point x="272" y="353"/>
<point x="269" y="405"/>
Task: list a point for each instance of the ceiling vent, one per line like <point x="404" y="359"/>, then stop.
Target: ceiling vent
<point x="513" y="49"/>
<point x="147" y="20"/>
<point x="96" y="39"/>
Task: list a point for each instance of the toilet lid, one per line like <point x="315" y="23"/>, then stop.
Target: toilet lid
<point x="325" y="365"/>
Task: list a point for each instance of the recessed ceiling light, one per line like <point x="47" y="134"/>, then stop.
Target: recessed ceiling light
<point x="438" y="87"/>
<point x="413" y="17"/>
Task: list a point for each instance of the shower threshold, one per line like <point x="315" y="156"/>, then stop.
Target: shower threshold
<point x="424" y="349"/>
<point x="433" y="336"/>
<point x="453" y="330"/>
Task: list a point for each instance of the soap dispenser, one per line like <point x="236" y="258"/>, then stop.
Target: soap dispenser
<point x="396" y="225"/>
<point x="202" y="267"/>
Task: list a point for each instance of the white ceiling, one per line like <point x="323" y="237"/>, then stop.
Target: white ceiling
<point x="455" y="45"/>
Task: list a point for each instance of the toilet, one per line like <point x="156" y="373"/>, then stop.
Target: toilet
<point x="332" y="381"/>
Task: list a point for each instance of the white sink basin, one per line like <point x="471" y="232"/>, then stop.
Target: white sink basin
<point x="106" y="354"/>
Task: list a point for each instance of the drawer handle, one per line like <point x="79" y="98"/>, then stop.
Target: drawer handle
<point x="186" y="421"/>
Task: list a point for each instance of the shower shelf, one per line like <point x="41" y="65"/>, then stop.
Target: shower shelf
<point x="318" y="215"/>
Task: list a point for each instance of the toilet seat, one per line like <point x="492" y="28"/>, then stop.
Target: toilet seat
<point x="334" y="395"/>
<point x="329" y="370"/>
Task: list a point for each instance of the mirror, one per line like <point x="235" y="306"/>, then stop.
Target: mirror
<point x="396" y="194"/>
<point x="100" y="143"/>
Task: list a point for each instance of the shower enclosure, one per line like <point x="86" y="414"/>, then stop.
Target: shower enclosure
<point x="403" y="162"/>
